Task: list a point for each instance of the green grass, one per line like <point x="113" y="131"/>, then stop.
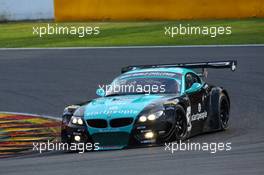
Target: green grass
<point x="20" y="34"/>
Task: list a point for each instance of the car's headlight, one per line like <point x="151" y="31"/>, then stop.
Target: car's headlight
<point x="151" y="117"/>
<point x="142" y="118"/>
<point x="76" y="120"/>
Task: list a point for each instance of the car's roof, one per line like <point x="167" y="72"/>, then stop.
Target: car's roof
<point x="176" y="70"/>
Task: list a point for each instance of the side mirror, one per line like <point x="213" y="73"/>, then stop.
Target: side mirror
<point x="100" y="92"/>
<point x="195" y="87"/>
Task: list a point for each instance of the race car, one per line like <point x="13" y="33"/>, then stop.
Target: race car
<point x="150" y="104"/>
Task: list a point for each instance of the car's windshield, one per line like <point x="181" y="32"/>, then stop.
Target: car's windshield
<point x="144" y="85"/>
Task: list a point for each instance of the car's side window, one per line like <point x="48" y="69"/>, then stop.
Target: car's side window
<point x="191" y="78"/>
<point x="196" y="79"/>
<point x="188" y="80"/>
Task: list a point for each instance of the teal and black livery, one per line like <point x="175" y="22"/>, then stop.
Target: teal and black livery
<point x="180" y="105"/>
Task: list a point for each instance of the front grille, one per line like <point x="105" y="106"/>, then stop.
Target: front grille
<point x="120" y="122"/>
<point x="97" y="123"/>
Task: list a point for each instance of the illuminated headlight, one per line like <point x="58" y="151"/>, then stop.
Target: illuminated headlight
<point x="80" y="121"/>
<point x="77" y="120"/>
<point x="74" y="120"/>
<point x="151" y="117"/>
<point x="149" y="135"/>
<point x="142" y="118"/>
<point x="77" y="138"/>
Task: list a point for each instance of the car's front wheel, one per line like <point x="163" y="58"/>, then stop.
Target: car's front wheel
<point x="180" y="124"/>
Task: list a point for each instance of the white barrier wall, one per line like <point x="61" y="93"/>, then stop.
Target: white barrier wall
<point x="26" y="9"/>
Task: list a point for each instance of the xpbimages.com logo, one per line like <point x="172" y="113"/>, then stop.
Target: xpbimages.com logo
<point x="58" y="146"/>
<point x="133" y="88"/>
<point x="211" y="31"/>
<point x="79" y="31"/>
<point x="212" y="147"/>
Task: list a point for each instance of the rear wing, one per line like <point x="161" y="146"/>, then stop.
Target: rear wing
<point x="230" y="64"/>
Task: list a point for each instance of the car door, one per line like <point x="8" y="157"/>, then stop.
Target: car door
<point x="198" y="114"/>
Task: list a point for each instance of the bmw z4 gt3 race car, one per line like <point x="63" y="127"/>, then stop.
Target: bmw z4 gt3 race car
<point x="150" y="104"/>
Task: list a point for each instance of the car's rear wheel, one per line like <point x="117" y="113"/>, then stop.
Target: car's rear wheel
<point x="224" y="112"/>
<point x="180" y="124"/>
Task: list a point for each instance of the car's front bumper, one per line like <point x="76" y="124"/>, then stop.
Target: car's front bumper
<point x="118" y="138"/>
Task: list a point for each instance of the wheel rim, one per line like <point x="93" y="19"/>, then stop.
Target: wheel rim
<point x="224" y="113"/>
<point x="181" y="125"/>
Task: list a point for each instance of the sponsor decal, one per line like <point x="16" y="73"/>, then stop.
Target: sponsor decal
<point x="199" y="107"/>
<point x="199" y="116"/>
<point x="110" y="112"/>
<point x="153" y="73"/>
<point x="188" y="116"/>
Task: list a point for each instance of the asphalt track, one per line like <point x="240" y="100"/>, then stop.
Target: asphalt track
<point x="44" y="81"/>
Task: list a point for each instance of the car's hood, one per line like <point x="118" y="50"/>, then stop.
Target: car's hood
<point x="119" y="106"/>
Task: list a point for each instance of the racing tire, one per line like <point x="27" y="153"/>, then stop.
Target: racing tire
<point x="181" y="125"/>
<point x="224" y="111"/>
